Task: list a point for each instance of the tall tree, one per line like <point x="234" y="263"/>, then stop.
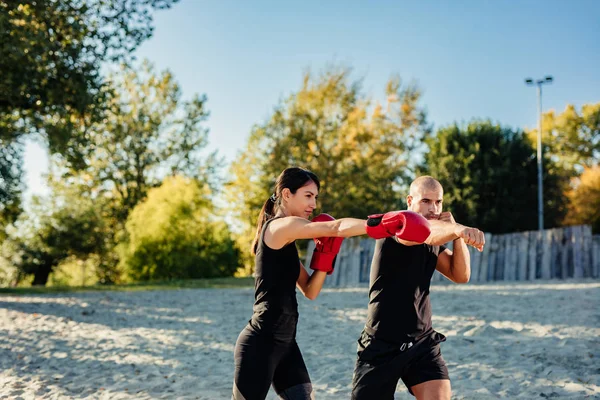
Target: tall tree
<point x="571" y="138"/>
<point x="359" y="149"/>
<point x="489" y="175"/>
<point x="148" y="132"/>
<point x="51" y="55"/>
<point x="56" y="228"/>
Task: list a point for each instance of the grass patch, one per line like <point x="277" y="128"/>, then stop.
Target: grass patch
<point x="214" y="283"/>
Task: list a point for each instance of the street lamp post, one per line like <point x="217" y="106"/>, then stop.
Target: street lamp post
<point x="539" y="83"/>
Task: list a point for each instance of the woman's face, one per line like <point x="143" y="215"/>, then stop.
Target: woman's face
<point x="304" y="201"/>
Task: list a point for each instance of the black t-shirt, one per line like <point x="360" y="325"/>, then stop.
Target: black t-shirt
<point x="399" y="307"/>
<point x="276" y="273"/>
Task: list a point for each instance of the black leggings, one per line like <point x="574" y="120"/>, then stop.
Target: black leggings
<point x="262" y="360"/>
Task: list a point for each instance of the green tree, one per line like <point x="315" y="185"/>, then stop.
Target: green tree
<point x="572" y="138"/>
<point x="11" y="184"/>
<point x="102" y="259"/>
<point x="56" y="228"/>
<point x="175" y="234"/>
<point x="51" y="53"/>
<point x="148" y="132"/>
<point x="489" y="175"/>
<point x="358" y="148"/>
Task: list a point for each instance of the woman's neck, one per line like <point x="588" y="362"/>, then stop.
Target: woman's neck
<point x="282" y="212"/>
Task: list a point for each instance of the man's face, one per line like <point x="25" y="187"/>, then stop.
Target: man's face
<point x="426" y="201"/>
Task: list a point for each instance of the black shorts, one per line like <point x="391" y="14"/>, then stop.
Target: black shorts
<point x="261" y="361"/>
<point x="381" y="364"/>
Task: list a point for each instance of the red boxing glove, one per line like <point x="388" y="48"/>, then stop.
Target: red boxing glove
<point x="405" y="225"/>
<point x="326" y="249"/>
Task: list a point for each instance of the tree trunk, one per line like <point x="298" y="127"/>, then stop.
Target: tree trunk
<point x="40" y="277"/>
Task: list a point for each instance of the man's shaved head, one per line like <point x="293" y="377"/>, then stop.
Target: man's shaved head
<point x="424" y="183"/>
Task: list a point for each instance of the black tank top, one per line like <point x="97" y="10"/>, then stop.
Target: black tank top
<point x="276" y="273"/>
<point x="399" y="306"/>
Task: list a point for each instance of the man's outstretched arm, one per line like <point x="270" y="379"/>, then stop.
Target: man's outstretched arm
<point x="456" y="265"/>
<point x="445" y="230"/>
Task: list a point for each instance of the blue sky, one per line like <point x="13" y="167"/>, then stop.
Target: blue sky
<point x="470" y="60"/>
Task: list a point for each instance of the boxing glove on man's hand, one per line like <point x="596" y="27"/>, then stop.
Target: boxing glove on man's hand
<point x="405" y="225"/>
<point x="326" y="249"/>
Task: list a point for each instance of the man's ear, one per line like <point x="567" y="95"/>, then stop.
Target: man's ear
<point x="409" y="200"/>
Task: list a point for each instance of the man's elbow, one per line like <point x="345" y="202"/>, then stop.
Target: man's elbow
<point x="311" y="296"/>
<point x="463" y="278"/>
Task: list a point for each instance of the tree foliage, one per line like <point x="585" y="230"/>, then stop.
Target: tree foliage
<point x="571" y="138"/>
<point x="358" y="148"/>
<point x="56" y="228"/>
<point x="11" y="182"/>
<point x="148" y="132"/>
<point x="51" y="53"/>
<point x="489" y="175"/>
<point x="175" y="234"/>
<point x="584" y="200"/>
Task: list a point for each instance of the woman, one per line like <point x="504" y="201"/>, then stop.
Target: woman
<point x="266" y="351"/>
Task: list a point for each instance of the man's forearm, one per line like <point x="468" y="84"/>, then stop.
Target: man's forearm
<point x="461" y="262"/>
<point x="441" y="232"/>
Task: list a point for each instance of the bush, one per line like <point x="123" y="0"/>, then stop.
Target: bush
<point x="175" y="234"/>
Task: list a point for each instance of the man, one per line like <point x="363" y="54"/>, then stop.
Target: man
<point x="398" y="341"/>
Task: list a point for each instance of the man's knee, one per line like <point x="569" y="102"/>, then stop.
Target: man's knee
<point x="439" y="389"/>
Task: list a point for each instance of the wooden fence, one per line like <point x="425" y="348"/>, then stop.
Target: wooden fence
<point x="570" y="252"/>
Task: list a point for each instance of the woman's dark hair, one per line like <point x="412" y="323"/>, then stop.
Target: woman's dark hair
<point x="291" y="178"/>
